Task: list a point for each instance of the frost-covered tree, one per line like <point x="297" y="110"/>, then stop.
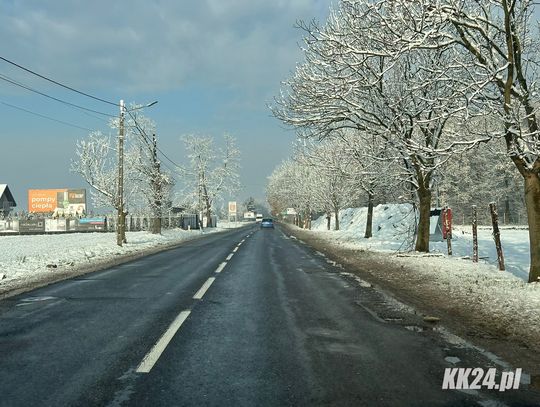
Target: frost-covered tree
<point x="97" y="163"/>
<point x="211" y="173"/>
<point x="358" y="75"/>
<point x="372" y="171"/>
<point x="145" y="184"/>
<point x="502" y="39"/>
<point x="478" y="177"/>
<point x="330" y="167"/>
<point x="154" y="184"/>
<point x="317" y="178"/>
<point x="290" y="186"/>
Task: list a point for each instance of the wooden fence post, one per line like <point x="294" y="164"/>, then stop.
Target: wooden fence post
<point x="497" y="234"/>
<point x="447" y="230"/>
<point x="474" y="235"/>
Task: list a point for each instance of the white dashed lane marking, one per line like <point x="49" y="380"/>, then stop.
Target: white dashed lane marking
<point x="152" y="357"/>
<point x="221" y="267"/>
<point x="199" y="294"/>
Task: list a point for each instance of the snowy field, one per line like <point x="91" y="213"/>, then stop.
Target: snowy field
<point x="24" y="259"/>
<point x="393" y="227"/>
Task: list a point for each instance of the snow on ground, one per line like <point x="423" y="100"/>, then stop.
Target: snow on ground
<point x="504" y="295"/>
<point x="393" y="228"/>
<point x="498" y="297"/>
<point x="26" y="258"/>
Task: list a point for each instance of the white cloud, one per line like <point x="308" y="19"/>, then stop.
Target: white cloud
<point x="149" y="46"/>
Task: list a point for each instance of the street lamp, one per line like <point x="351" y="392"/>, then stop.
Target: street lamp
<point x="121" y="217"/>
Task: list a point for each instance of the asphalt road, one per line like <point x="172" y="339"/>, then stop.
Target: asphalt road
<point x="248" y="317"/>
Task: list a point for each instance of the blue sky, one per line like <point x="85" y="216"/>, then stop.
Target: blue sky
<point x="213" y="65"/>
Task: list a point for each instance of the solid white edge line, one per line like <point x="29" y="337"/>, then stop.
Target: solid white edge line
<point x="199" y="294"/>
<point x="152" y="357"/>
<point x="229" y="256"/>
<point x="221" y="267"/>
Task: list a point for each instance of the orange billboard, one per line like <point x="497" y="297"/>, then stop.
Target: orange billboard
<point x="43" y="200"/>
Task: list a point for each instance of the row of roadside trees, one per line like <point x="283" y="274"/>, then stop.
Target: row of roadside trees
<point x="409" y="87"/>
<point x="149" y="186"/>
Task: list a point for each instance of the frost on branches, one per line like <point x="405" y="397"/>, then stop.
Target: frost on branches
<point x="357" y="78"/>
<point x="211" y="173"/>
<point x="145" y="184"/>
<point x="417" y="77"/>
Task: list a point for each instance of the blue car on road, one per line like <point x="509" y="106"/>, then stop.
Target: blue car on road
<point x="267" y="223"/>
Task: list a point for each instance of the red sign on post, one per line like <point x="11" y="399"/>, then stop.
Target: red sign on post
<point x="447" y="222"/>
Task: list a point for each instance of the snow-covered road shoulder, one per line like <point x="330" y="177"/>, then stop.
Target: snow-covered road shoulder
<point x="478" y="289"/>
<point x="477" y="293"/>
<point x="31" y="261"/>
<point x="481" y="304"/>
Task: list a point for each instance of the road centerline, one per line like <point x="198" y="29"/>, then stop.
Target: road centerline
<point x="221" y="267"/>
<point x="199" y="294"/>
<point x="229" y="256"/>
<point x="152" y="357"/>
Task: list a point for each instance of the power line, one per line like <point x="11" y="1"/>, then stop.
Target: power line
<point x="45" y="117"/>
<point x="173" y="170"/>
<point x="58" y="83"/>
<point x="146" y="138"/>
<point x="16" y="83"/>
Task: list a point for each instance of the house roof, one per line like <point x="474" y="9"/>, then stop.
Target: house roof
<point x="4" y="191"/>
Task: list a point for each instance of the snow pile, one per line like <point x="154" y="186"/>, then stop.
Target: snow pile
<point x="24" y="259"/>
<point x="393" y="227"/>
<point x="393" y="230"/>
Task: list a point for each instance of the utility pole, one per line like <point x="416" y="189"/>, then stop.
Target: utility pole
<point x="121" y="218"/>
<point x="120" y="221"/>
<point x="200" y="197"/>
<point x="158" y="188"/>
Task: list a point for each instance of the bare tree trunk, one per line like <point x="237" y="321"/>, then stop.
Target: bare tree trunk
<point x="424" y="208"/>
<point x="328" y="220"/>
<point x="369" y="220"/>
<point x="497" y="234"/>
<point x="532" y="202"/>
<point x="208" y="216"/>
<point x="156" y="225"/>
<point x="336" y="217"/>
<point x="507" y="214"/>
<point x="208" y="207"/>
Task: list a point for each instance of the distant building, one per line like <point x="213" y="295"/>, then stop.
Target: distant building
<point x="6" y="200"/>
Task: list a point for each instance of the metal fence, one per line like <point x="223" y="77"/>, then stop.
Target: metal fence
<point x="39" y="225"/>
<point x="42" y="225"/>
